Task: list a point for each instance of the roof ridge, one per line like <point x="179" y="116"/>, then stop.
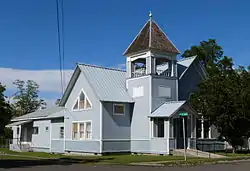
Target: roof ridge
<point x="102" y="67"/>
<point x="178" y="101"/>
<point x="183" y="59"/>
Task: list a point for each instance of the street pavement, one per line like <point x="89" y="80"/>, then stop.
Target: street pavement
<point x="242" y="166"/>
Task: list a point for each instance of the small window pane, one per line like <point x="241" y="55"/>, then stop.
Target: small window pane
<point x="81" y="130"/>
<point x="76" y="105"/>
<point x="118" y="109"/>
<point x="82" y="101"/>
<point x="87" y="104"/>
<point x="61" y="132"/>
<point x="35" y="130"/>
<point x="88" y="130"/>
<point x="74" y="131"/>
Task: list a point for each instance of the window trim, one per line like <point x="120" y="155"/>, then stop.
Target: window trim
<point x="78" y="99"/>
<point x="153" y="129"/>
<point x="33" y="130"/>
<point x="118" y="104"/>
<point x="167" y="97"/>
<point x="138" y="87"/>
<point x="78" y="130"/>
<point x="61" y="132"/>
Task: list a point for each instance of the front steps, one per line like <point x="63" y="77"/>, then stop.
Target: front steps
<point x="196" y="153"/>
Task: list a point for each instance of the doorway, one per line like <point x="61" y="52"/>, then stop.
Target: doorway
<point x="178" y="132"/>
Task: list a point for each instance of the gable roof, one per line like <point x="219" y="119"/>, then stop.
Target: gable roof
<point x="109" y="84"/>
<point x="40" y="113"/>
<point x="151" y="37"/>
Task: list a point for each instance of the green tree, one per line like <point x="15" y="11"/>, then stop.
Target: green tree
<point x="224" y="98"/>
<point x="208" y="53"/>
<point x="26" y="98"/>
<point x="5" y="110"/>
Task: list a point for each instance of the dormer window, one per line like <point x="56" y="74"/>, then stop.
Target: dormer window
<point x="82" y="102"/>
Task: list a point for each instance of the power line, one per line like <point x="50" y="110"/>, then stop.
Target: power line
<point x="59" y="43"/>
<point x="64" y="83"/>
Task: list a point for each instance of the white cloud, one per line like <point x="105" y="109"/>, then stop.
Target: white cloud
<point x="121" y="66"/>
<point x="48" y="80"/>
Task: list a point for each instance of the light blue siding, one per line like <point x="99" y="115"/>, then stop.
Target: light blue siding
<point x="163" y="81"/>
<point x="116" y="146"/>
<point x="42" y="139"/>
<point x="57" y="146"/>
<point x="115" y="129"/>
<point x="92" y="115"/>
<point x="83" y="146"/>
<point x="140" y="120"/>
<point x="115" y="126"/>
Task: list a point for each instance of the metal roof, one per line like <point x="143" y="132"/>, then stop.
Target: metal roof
<point x="18" y="123"/>
<point x="39" y="113"/>
<point x="109" y="84"/>
<point x="167" y="109"/>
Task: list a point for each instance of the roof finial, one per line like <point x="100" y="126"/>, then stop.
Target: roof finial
<point x="150" y="15"/>
<point x="150" y="28"/>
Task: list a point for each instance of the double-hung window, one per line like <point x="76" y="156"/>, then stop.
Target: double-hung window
<point x="82" y="130"/>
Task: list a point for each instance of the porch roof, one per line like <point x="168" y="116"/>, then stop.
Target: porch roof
<point x="167" y="109"/>
<point x="17" y="123"/>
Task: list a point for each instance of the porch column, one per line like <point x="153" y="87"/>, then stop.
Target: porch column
<point x="166" y="129"/>
<point x="171" y="128"/>
<point x="193" y="126"/>
<point x="202" y="127"/>
<point x="209" y="132"/>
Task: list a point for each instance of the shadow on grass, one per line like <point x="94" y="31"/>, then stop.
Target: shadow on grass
<point x="19" y="163"/>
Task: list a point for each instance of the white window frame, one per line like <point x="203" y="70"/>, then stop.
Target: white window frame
<point x="78" y="99"/>
<point x="84" y="129"/>
<point x="117" y="104"/>
<point x="153" y="129"/>
<point x="61" y="134"/>
<point x="135" y="89"/>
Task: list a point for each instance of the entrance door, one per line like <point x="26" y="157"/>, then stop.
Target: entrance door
<point x="178" y="132"/>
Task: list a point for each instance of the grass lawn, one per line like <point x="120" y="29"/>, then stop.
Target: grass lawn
<point x="113" y="159"/>
<point x="235" y="154"/>
<point x="109" y="159"/>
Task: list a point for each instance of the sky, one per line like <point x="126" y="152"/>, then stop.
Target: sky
<point x="98" y="32"/>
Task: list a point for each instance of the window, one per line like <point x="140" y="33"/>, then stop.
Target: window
<point x="62" y="132"/>
<point x="35" y="130"/>
<point x="138" y="91"/>
<point x="46" y="128"/>
<point x="82" y="102"/>
<point x="85" y="130"/>
<point x="18" y="131"/>
<point x="158" y="127"/>
<point x="81" y="131"/>
<point x="119" y="109"/>
<point x="164" y="92"/>
<point x="75" y="131"/>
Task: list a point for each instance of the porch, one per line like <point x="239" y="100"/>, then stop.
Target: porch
<point x="166" y="123"/>
<point x="22" y="135"/>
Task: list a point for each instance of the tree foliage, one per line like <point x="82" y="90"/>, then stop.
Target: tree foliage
<point x="26" y="98"/>
<point x="224" y="97"/>
<point x="208" y="53"/>
<point x="5" y="110"/>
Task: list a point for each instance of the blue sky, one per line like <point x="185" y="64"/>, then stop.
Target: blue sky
<point x="98" y="32"/>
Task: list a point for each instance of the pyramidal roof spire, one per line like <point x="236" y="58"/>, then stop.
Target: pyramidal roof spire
<point x="150" y="29"/>
<point x="151" y="37"/>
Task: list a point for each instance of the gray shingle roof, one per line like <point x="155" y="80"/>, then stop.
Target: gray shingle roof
<point x="109" y="84"/>
<point x="40" y="113"/>
<point x="167" y="109"/>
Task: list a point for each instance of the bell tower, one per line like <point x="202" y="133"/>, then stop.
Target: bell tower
<point x="152" y="55"/>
